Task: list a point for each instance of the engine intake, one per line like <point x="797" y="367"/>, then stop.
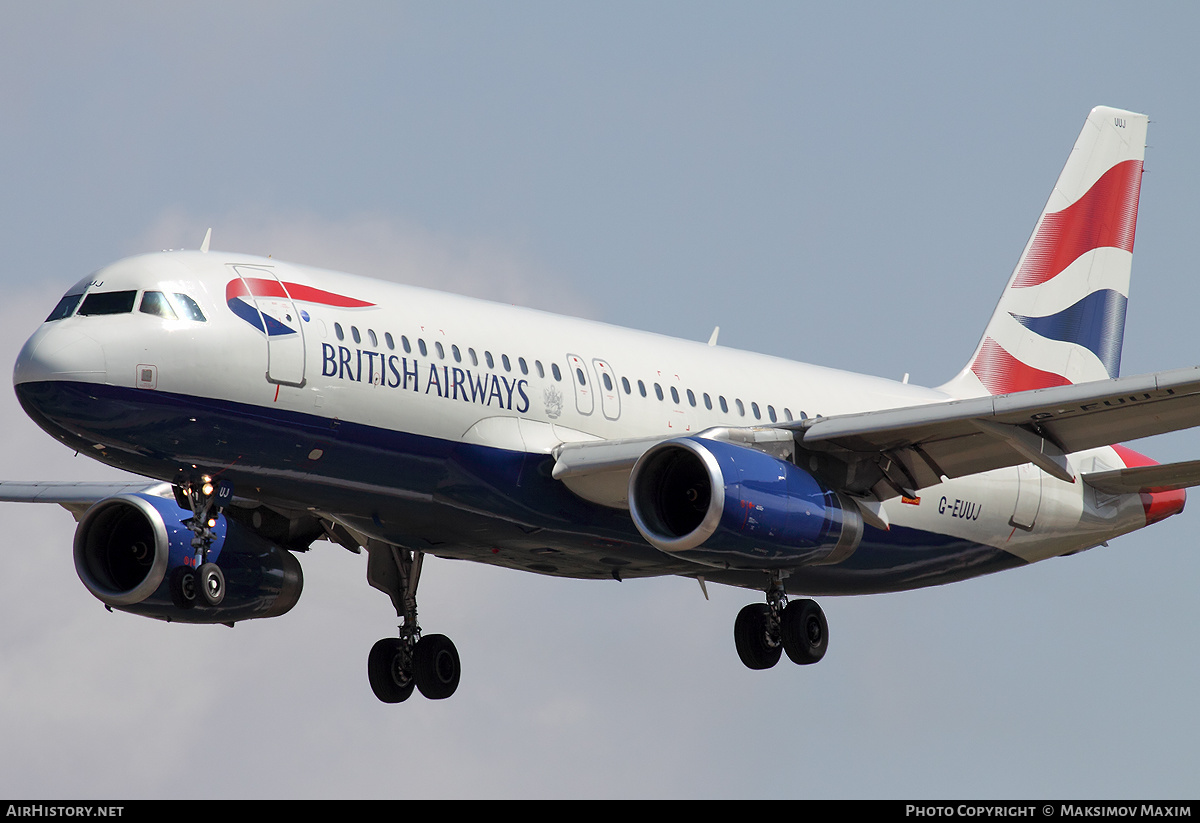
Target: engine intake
<point x="723" y="504"/>
<point x="127" y="546"/>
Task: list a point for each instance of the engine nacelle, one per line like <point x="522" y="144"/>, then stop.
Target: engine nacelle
<point x="726" y="505"/>
<point x="126" y="548"/>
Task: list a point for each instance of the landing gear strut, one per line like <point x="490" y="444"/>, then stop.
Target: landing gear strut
<point x="206" y="584"/>
<point x="397" y="665"/>
<point x="763" y="631"/>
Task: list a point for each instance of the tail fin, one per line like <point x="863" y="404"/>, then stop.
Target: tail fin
<point x="1061" y="318"/>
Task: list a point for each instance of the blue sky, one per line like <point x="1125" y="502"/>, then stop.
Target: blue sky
<point x="843" y="184"/>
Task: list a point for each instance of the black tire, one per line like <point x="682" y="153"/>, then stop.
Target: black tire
<point x="752" y="636"/>
<point x="183" y="587"/>
<point x="805" y="632"/>
<point x="210" y="584"/>
<point x="386" y="669"/>
<point x="435" y="666"/>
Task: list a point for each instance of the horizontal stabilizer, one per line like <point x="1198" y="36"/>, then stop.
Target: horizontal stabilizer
<point x="1146" y="479"/>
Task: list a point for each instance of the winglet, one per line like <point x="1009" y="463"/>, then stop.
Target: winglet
<point x="207" y="237"/>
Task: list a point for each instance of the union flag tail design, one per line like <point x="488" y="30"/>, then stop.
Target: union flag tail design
<point x="1061" y="318"/>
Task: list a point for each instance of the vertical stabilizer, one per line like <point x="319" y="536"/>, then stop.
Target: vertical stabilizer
<point x="1061" y="318"/>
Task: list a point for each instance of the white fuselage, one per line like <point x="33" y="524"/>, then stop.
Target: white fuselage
<point x="445" y="372"/>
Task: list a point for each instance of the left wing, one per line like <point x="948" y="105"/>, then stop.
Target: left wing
<point x="898" y="451"/>
<point x="882" y="454"/>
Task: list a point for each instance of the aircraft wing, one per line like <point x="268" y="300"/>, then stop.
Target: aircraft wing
<point x="886" y="453"/>
<point x="901" y="450"/>
<point x="75" y="497"/>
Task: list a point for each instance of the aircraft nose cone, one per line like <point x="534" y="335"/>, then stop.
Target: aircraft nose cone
<point x="60" y="354"/>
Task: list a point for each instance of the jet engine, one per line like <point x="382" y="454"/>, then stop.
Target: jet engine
<point x="131" y="549"/>
<point x="731" y="506"/>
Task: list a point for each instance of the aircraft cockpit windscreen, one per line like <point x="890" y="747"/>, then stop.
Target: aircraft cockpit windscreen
<point x="65" y="307"/>
<point x="167" y="305"/>
<point x="108" y="302"/>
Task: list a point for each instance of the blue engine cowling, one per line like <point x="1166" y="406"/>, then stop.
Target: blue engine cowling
<point x="126" y="548"/>
<point x="731" y="506"/>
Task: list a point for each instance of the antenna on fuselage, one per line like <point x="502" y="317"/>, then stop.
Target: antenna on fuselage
<point x="712" y="341"/>
<point x="207" y="237"/>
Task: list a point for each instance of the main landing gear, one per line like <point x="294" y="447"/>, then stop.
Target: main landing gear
<point x="763" y="631"/>
<point x="397" y="665"/>
<point x="203" y="581"/>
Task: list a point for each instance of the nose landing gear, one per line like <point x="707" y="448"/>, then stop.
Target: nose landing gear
<point x="206" y="584"/>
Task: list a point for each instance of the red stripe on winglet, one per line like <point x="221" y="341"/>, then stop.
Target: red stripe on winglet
<point x="1105" y="216"/>
<point x="1001" y="373"/>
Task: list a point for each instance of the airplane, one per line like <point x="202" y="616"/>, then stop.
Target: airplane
<point x="269" y="405"/>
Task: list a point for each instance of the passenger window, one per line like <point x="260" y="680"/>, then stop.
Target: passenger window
<point x="658" y="391"/>
<point x="155" y="303"/>
<point x="675" y="395"/>
<point x="504" y="360"/>
<point x="108" y="302"/>
<point x="457" y="354"/>
<point x="422" y="347"/>
<point x="691" y="397"/>
<point x="707" y="401"/>
<point x="403" y="342"/>
<point x="441" y="351"/>
<point x="474" y="357"/>
<point x="557" y="373"/>
<point x="787" y="414"/>
<point x="608" y="384"/>
<point x="354" y="333"/>
<point x="625" y="385"/>
<point x="391" y="344"/>
<point x="64" y="307"/>
<point x="724" y="405"/>
<point x="579" y="377"/>
<point x="524" y="368"/>
<point x="642" y="388"/>
<point x="754" y="408"/>
<point x="374" y="339"/>
<point x="538" y="364"/>
<point x="487" y="356"/>
<point x="337" y="329"/>
<point x="771" y="413"/>
<point x="741" y="408"/>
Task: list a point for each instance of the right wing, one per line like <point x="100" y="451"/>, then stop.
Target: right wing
<point x="76" y="497"/>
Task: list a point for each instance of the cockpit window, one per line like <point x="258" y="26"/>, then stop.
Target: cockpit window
<point x="187" y="308"/>
<point x="108" y="302"/>
<point x="64" y="307"/>
<point x="171" y="306"/>
<point x="155" y="302"/>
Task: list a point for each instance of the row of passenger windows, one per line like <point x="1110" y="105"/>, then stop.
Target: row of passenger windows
<point x="580" y="377"/>
<point x="172" y="306"/>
